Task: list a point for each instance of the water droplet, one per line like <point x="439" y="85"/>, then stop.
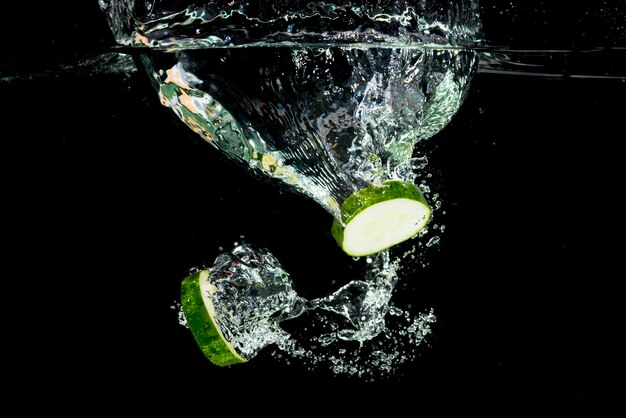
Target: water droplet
<point x="433" y="241"/>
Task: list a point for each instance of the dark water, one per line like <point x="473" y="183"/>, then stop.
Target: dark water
<point x="110" y="203"/>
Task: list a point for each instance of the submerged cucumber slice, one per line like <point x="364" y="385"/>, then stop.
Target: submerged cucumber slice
<point x="378" y="217"/>
<point x="197" y="303"/>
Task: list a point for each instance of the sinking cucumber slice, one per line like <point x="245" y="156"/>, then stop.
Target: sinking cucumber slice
<point x="199" y="310"/>
<point x="378" y="217"/>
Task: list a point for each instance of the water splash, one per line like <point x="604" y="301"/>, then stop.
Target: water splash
<point x="254" y="297"/>
<point x="326" y="98"/>
<point x="190" y="24"/>
<point x="326" y="121"/>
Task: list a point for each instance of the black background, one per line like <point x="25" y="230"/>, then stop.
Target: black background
<point x="109" y="203"/>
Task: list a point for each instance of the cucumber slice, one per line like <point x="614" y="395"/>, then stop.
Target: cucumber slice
<point x="197" y="304"/>
<point x="378" y="217"/>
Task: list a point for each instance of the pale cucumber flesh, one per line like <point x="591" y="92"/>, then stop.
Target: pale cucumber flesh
<point x="384" y="225"/>
<point x="380" y="216"/>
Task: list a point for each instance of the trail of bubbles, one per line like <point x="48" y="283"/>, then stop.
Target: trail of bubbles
<point x="356" y="330"/>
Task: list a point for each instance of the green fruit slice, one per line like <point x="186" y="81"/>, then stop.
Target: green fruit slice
<point x="197" y="303"/>
<point x="378" y="217"/>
